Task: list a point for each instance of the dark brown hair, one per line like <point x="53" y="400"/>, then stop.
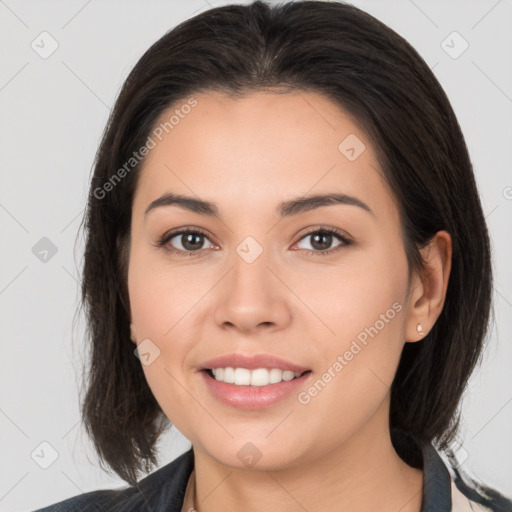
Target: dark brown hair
<point x="374" y="74"/>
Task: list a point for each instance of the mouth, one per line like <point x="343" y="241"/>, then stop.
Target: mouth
<point x="255" y="378"/>
<point x="253" y="381"/>
<point x="255" y="389"/>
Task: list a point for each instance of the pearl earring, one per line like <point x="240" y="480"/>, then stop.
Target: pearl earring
<point x="419" y="328"/>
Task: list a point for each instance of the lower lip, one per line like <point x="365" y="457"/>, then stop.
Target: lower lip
<point x="253" y="397"/>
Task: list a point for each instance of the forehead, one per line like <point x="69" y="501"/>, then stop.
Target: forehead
<point x="258" y="150"/>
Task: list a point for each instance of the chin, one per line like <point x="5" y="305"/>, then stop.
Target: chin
<point x="257" y="455"/>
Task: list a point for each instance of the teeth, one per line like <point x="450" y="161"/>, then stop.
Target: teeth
<point x="258" y="377"/>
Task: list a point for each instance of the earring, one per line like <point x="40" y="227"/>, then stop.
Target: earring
<point x="419" y="328"/>
<point x="132" y="337"/>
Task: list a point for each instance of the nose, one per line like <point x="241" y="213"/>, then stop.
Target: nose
<point x="252" y="297"/>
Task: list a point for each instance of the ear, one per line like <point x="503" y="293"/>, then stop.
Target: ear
<point x="428" y="292"/>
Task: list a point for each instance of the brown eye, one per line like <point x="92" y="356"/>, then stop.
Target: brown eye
<point x="322" y="240"/>
<point x="185" y="242"/>
<point x="190" y="241"/>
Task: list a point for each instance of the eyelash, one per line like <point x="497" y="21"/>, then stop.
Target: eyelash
<point x="330" y="231"/>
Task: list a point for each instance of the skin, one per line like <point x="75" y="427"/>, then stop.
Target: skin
<point x="247" y="155"/>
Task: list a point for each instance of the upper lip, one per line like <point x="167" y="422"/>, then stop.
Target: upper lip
<point x="251" y="362"/>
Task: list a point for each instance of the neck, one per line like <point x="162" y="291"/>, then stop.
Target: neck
<point x="364" y="473"/>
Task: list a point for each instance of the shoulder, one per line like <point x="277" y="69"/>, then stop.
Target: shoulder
<point x="162" y="489"/>
<point x="94" y="501"/>
<point x="474" y="497"/>
<point x="447" y="487"/>
<point x="461" y="503"/>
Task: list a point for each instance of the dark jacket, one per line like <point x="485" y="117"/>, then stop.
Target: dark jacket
<point x="164" y="491"/>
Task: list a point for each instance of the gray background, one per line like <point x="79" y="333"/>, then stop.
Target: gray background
<point x="53" y="112"/>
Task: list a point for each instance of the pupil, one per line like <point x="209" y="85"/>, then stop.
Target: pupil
<point x="192" y="241"/>
<point x="327" y="241"/>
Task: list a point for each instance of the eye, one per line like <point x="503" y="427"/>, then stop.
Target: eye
<point x="322" y="240"/>
<point x="188" y="241"/>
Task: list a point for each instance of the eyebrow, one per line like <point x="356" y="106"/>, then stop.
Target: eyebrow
<point x="285" y="209"/>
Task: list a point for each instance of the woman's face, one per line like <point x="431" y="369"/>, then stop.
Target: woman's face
<point x="263" y="279"/>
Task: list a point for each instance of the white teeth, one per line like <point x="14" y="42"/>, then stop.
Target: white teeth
<point x="258" y="377"/>
<point x="242" y="377"/>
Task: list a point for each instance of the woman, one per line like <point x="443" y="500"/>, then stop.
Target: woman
<point x="283" y="226"/>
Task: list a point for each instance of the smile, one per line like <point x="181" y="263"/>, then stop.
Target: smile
<point x="257" y="377"/>
<point x="242" y="394"/>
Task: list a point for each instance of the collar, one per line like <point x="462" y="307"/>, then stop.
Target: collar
<point x="436" y="482"/>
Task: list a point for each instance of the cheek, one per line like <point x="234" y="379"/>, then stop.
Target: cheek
<point x="168" y="387"/>
<point x="160" y="296"/>
<point x="361" y="315"/>
<point x="156" y="311"/>
<point x="361" y="299"/>
<point x="353" y="384"/>
<point x="162" y="304"/>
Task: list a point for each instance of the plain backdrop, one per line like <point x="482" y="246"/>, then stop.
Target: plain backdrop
<point x="53" y="111"/>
